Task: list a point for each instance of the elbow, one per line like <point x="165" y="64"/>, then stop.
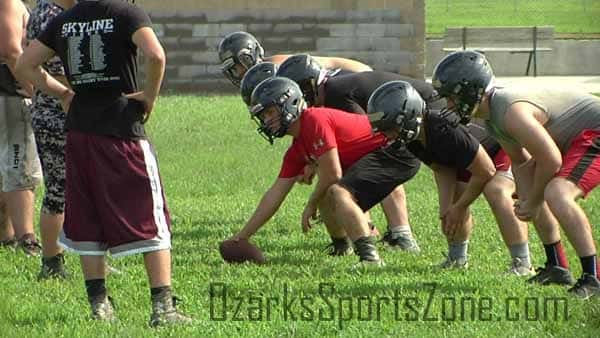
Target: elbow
<point x="554" y="164"/>
<point x="157" y="57"/>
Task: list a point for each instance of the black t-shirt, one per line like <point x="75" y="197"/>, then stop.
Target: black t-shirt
<point x="93" y="40"/>
<point x="351" y="92"/>
<point x="447" y="144"/>
<point x="490" y="145"/>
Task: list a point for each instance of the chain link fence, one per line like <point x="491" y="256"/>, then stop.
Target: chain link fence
<point x="570" y="18"/>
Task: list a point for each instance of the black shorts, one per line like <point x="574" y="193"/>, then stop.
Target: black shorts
<point x="377" y="174"/>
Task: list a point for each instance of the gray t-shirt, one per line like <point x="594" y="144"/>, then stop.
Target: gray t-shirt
<point x="568" y="112"/>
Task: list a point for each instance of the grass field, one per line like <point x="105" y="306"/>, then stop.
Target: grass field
<point x="215" y="168"/>
<point x="567" y="16"/>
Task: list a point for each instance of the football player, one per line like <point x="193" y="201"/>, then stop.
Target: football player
<point x="552" y="136"/>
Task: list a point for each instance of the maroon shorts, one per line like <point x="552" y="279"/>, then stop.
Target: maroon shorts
<point x="114" y="197"/>
<point x="581" y="163"/>
<point x="501" y="162"/>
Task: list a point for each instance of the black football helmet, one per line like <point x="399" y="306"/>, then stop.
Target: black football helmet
<point x="306" y="72"/>
<point x="239" y="48"/>
<point x="282" y="93"/>
<point x="396" y="104"/>
<point x="255" y="75"/>
<point x="463" y="76"/>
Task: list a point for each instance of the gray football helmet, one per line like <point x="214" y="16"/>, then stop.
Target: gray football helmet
<point x="463" y="77"/>
<point x="306" y="72"/>
<point x="255" y="75"/>
<point x="396" y="104"/>
<point x="239" y="48"/>
<point x="282" y="93"/>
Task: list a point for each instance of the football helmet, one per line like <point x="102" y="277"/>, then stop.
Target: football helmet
<point x="255" y="75"/>
<point x="306" y="72"/>
<point x="239" y="48"/>
<point x="463" y="77"/>
<point x="283" y="94"/>
<point x="396" y="104"/>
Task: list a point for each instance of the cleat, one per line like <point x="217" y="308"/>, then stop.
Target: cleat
<point x="552" y="275"/>
<point x="399" y="242"/>
<point x="457" y="263"/>
<point x="518" y="268"/>
<point x="10" y="243"/>
<point x="164" y="311"/>
<point x="53" y="267"/>
<point x="586" y="287"/>
<point x="339" y="247"/>
<point x="102" y="309"/>
<point x="30" y="245"/>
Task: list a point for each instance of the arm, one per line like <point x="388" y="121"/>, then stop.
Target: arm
<point x="268" y="205"/>
<point x="29" y="68"/>
<point x="12" y="18"/>
<point x="155" y="60"/>
<point x="327" y="62"/>
<point x="445" y="179"/>
<point x="329" y="171"/>
<point x="482" y="170"/>
<point x="531" y="134"/>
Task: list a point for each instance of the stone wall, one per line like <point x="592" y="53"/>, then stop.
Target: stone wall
<point x="389" y="38"/>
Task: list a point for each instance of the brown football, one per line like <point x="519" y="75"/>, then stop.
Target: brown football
<point x="241" y="251"/>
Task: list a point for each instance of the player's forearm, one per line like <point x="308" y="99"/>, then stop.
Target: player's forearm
<point x="472" y="191"/>
<point x="323" y="184"/>
<point x="543" y="175"/>
<point x="267" y="207"/>
<point x="446" y="184"/>
<point x="155" y="69"/>
<point x="41" y="80"/>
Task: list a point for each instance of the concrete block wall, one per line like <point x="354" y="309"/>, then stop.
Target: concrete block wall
<point x="390" y="39"/>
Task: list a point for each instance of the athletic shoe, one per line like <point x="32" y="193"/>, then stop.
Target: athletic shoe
<point x="53" y="267"/>
<point x="30" y="245"/>
<point x="519" y="268"/>
<point x="164" y="311"/>
<point x="102" y="309"/>
<point x="586" y="287"/>
<point x="399" y="242"/>
<point x="552" y="275"/>
<point x="339" y="247"/>
<point x="450" y="263"/>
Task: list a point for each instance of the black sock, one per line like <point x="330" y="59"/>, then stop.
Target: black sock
<point x="365" y="246"/>
<point x="160" y="289"/>
<point x="589" y="265"/>
<point x="555" y="254"/>
<point x="95" y="288"/>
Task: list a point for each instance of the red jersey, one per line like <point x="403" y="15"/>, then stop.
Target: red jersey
<point x="322" y="129"/>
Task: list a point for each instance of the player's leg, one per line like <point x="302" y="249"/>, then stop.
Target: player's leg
<point x="399" y="234"/>
<point x="340" y="243"/>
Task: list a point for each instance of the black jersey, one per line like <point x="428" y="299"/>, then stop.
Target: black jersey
<point x="351" y="92"/>
<point x="447" y="144"/>
<point x="94" y="41"/>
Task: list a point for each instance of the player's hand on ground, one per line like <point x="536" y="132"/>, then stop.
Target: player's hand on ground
<point x="148" y="103"/>
<point x="310" y="213"/>
<point x="307" y="175"/>
<point x="526" y="210"/>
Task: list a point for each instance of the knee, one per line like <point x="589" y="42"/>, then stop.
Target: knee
<point x="495" y="192"/>
<point x="555" y="195"/>
<point x="337" y="194"/>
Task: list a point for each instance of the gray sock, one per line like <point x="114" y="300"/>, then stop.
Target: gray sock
<point x="521" y="251"/>
<point x="365" y="247"/>
<point x="402" y="230"/>
<point x="458" y="249"/>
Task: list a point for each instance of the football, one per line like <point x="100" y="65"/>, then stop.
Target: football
<point x="241" y="251"/>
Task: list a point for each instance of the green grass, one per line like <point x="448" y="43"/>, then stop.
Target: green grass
<point x="567" y="16"/>
<point x="215" y="169"/>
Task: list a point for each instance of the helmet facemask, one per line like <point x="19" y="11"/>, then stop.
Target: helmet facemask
<point x="288" y="110"/>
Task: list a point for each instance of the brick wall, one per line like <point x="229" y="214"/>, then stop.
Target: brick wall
<point x="390" y="39"/>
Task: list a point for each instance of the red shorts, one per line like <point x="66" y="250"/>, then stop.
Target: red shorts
<point x="581" y="163"/>
<point x="501" y="162"/>
<point x="114" y="197"/>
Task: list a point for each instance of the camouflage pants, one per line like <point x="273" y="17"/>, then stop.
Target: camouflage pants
<point x="51" y="150"/>
<point x="19" y="163"/>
